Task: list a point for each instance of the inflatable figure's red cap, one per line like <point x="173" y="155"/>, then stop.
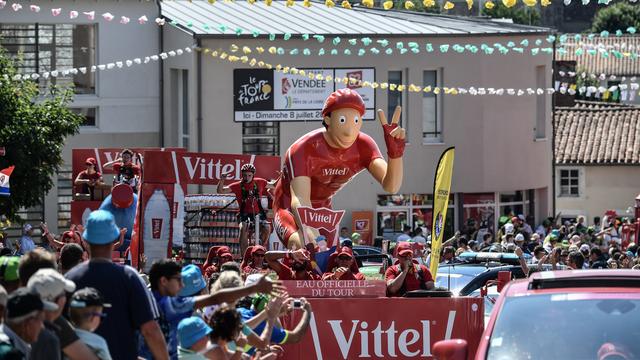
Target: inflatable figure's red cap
<point x="122" y="196"/>
<point x="343" y="98"/>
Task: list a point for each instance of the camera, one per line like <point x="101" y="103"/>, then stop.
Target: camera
<point x="297" y="304"/>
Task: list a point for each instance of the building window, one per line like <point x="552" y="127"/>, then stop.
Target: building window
<point x="431" y="117"/>
<point x="39" y="48"/>
<point x="541" y="103"/>
<point x="479" y="209"/>
<point x="414" y="210"/>
<point x="394" y="98"/>
<point x="261" y="138"/>
<point x="569" y="183"/>
<point x="89" y="115"/>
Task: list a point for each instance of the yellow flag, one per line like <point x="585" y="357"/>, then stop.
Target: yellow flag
<point x="469" y="4"/>
<point x="545" y="2"/>
<point x="448" y="5"/>
<point x="387" y="5"/>
<point x="530" y="2"/>
<point x="509" y="3"/>
<point x="428" y="3"/>
<point x="489" y="5"/>
<point x="441" y="189"/>
<point x="409" y="5"/>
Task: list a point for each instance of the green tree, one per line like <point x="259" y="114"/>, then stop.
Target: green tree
<point x="33" y="129"/>
<point x="525" y="15"/>
<point x="619" y="16"/>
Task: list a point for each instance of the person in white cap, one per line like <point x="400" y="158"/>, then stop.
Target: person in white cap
<point x="26" y="242"/>
<point x="52" y="287"/>
<point x="22" y="324"/>
<point x="519" y="240"/>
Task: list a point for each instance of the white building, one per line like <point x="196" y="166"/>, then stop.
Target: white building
<point x="122" y="105"/>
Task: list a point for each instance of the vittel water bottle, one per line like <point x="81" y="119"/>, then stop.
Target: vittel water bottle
<point x="157" y="215"/>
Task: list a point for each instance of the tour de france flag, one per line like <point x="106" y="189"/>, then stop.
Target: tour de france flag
<point x="4" y="180"/>
<point x="441" y="190"/>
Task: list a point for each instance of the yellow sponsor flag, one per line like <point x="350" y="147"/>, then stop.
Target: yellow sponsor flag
<point x="441" y="188"/>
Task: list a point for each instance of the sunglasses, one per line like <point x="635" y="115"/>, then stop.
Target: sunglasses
<point x="96" y="314"/>
<point x="344" y="258"/>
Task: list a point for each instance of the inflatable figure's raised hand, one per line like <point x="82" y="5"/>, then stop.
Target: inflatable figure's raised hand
<point x="394" y="135"/>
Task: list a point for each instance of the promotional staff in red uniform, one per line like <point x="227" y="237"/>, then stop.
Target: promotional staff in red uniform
<point x="320" y="163"/>
<point x="299" y="261"/>
<point x="89" y="178"/>
<point x="406" y="275"/>
<point x="126" y="171"/>
<point x="248" y="193"/>
<point x="342" y="269"/>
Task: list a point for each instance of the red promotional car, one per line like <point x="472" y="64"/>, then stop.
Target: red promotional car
<point x="583" y="314"/>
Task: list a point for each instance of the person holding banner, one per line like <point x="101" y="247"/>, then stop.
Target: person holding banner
<point x="323" y="161"/>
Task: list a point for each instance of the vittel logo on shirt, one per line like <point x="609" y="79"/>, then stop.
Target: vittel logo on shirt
<point x="335" y="172"/>
<point x="382" y="340"/>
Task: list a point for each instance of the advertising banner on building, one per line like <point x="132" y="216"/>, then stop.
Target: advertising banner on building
<point x="385" y="328"/>
<point x="361" y="222"/>
<point x="269" y="95"/>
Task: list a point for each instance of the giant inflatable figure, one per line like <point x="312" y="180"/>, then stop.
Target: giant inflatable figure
<point x="122" y="204"/>
<point x="323" y="161"/>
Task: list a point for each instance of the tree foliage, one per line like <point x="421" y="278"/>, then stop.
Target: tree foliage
<point x="33" y="129"/>
<point x="619" y="16"/>
<point x="525" y="15"/>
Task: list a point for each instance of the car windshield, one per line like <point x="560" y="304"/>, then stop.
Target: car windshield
<point x="567" y="326"/>
<point x="456" y="282"/>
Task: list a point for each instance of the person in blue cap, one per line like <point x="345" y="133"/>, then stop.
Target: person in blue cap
<point x="167" y="281"/>
<point x="193" y="335"/>
<point x="133" y="307"/>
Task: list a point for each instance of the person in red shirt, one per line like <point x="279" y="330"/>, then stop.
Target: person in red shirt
<point x="256" y="262"/>
<point x="342" y="270"/>
<point x="249" y="192"/>
<point x="126" y="171"/>
<point x="299" y="260"/>
<point x="323" y="161"/>
<point x="215" y="258"/>
<point x="89" y="178"/>
<point x="406" y="275"/>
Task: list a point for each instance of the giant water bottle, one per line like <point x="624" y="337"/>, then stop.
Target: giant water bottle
<point x="85" y="216"/>
<point x="178" y="216"/>
<point x="157" y="215"/>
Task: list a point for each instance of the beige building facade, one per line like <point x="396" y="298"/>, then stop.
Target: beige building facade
<point x="503" y="143"/>
<point x="597" y="157"/>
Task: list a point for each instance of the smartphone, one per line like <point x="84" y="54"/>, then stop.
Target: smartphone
<point x="297" y="304"/>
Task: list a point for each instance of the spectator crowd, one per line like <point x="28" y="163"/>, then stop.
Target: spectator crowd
<point x="68" y="299"/>
<point x="79" y="304"/>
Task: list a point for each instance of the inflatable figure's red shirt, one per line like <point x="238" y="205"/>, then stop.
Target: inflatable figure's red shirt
<point x="329" y="168"/>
